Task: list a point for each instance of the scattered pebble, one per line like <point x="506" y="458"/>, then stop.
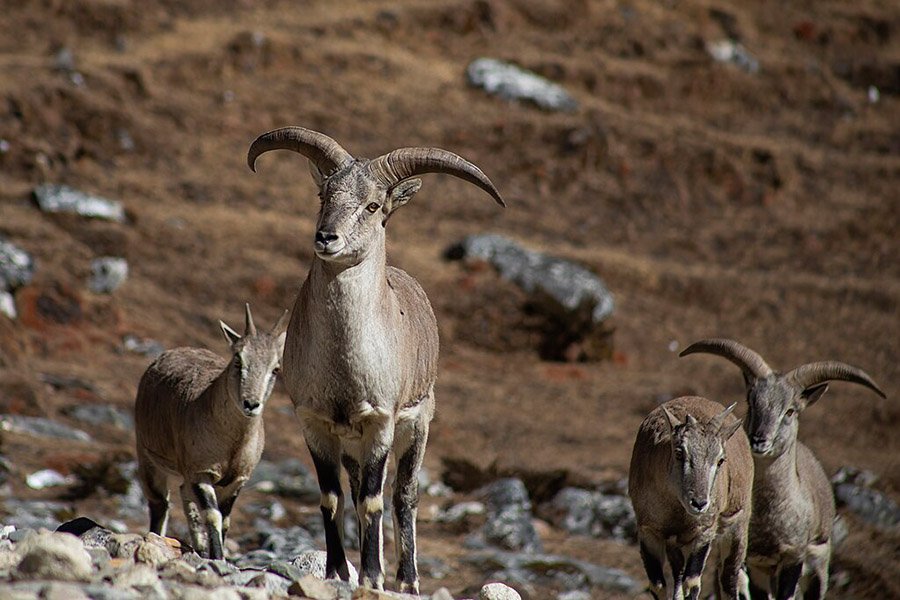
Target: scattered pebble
<point x="107" y="274"/>
<point x="729" y="51"/>
<point x="47" y="478"/>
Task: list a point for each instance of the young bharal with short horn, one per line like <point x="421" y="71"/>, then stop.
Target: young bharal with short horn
<point x="199" y="417"/>
<point x="361" y="354"/>
<point x="793" y="504"/>
<point x="690" y="481"/>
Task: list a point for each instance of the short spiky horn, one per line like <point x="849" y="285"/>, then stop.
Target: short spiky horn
<point x="749" y="361"/>
<point x="249" y="327"/>
<point x="403" y="163"/>
<point x="809" y="375"/>
<point x="323" y="151"/>
<point x="717" y="421"/>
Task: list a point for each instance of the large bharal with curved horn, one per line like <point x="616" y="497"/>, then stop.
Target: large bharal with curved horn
<point x="390" y="169"/>
<point x="361" y="353"/>
<point x="793" y="505"/>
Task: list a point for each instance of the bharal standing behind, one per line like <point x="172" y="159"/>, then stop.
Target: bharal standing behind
<point x="361" y="355"/>
<point x="793" y="504"/>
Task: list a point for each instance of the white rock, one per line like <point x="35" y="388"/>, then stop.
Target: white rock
<point x="498" y="591"/>
<point x="47" y="478"/>
<point x="55" y="556"/>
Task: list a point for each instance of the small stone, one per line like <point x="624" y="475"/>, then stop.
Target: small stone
<point x="272" y="583"/>
<point x="146" y="347"/>
<point x="107" y="274"/>
<point x="574" y="595"/>
<point x="16" y="266"/>
<point x="155" y="550"/>
<point x="459" y="512"/>
<point x="730" y="51"/>
<point x="312" y="562"/>
<point x="140" y="576"/>
<point x="509" y="519"/>
<point x="42" y="427"/>
<point x="498" y="591"/>
<point x="310" y="586"/>
<point x="47" y="478"/>
<point x="442" y="594"/>
<point x="101" y="414"/>
<point x="8" y="305"/>
<point x="63" y="591"/>
<point x="125" y="544"/>
<point x="59" y="556"/>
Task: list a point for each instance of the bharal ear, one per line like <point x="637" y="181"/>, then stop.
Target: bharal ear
<point x="813" y="393"/>
<point x="400" y="194"/>
<point x="280" y="331"/>
<point x="230" y="334"/>
<point x="316" y="173"/>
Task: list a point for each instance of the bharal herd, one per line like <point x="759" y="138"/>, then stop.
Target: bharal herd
<point x="739" y="515"/>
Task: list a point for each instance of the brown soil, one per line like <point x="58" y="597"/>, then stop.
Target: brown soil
<point x="714" y="202"/>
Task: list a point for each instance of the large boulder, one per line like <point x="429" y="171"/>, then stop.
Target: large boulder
<point x="54" y="556"/>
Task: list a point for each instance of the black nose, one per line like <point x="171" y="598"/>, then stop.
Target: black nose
<point x="699" y="504"/>
<point x="324" y="237"/>
<point x="250" y="405"/>
<point x="758" y="443"/>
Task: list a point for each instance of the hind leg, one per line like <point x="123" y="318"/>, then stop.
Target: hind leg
<point x="194" y="519"/>
<point x="155" y="486"/>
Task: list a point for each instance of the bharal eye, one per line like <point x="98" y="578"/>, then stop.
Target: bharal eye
<point x="276" y="370"/>
<point x="372" y="207"/>
<point x="789" y="412"/>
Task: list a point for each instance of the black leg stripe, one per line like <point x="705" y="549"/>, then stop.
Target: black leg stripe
<point x="788" y="578"/>
<point x="696" y="562"/>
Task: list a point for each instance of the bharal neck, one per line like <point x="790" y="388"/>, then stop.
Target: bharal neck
<point x="347" y="292"/>
<point x="779" y="472"/>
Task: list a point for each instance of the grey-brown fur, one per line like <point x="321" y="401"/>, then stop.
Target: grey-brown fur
<point x="198" y="417"/>
<point x="793" y="504"/>
<point x="361" y="355"/>
<point x="692" y="510"/>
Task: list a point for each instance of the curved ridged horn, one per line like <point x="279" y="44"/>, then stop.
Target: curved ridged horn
<point x="249" y="327"/>
<point x="805" y="376"/>
<point x="323" y="151"/>
<point x="749" y="361"/>
<point x="717" y="421"/>
<point x="403" y="163"/>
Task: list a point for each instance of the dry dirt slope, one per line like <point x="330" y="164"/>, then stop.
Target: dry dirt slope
<point x="713" y="201"/>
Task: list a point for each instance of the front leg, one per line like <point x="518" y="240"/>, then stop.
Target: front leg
<point x="326" y="454"/>
<point x="226" y="504"/>
<point x="733" y="582"/>
<point x="653" y="556"/>
<point x="788" y="577"/>
<point x="693" y="571"/>
<point x="676" y="562"/>
<point x="406" y="504"/>
<point x="205" y="495"/>
<point x="375" y="448"/>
